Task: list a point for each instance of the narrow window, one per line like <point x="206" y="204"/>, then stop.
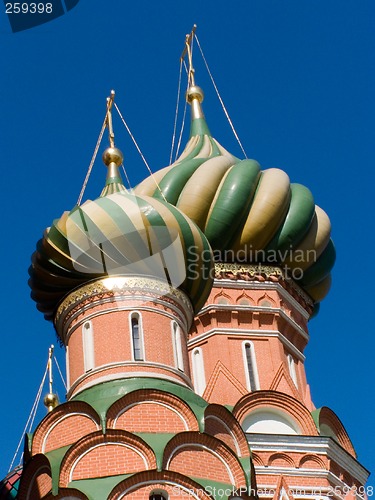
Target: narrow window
<point x="292" y="369"/>
<point x="250" y="366"/>
<point x="177" y="345"/>
<point x="135" y="325"/>
<point x="88" y="346"/>
<point x="198" y="371"/>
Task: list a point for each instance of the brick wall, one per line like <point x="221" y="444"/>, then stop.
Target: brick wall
<point x="108" y="460"/>
<point x="150" y="417"/>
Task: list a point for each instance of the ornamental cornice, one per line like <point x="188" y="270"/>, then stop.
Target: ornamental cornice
<point x="261" y="273"/>
<point x="120" y="287"/>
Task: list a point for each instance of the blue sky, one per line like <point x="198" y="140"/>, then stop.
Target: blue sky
<point x="298" y="80"/>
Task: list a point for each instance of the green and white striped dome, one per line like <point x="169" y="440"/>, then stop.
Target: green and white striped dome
<point x="120" y="234"/>
<point x="248" y="214"/>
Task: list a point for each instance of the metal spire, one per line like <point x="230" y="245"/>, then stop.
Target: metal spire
<point x="51" y="400"/>
<point x="194" y="94"/>
<point x="110" y="101"/>
<point x="188" y="50"/>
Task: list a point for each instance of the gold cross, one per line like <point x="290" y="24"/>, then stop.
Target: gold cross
<point x="110" y="100"/>
<point x="187" y="50"/>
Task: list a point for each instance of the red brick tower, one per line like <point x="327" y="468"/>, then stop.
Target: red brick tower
<point x="246" y="349"/>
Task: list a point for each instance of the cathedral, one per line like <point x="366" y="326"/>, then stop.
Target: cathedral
<point x="183" y="307"/>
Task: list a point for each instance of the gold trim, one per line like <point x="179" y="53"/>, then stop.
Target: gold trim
<point x="229" y="271"/>
<point x="116" y="286"/>
<point x="252" y="270"/>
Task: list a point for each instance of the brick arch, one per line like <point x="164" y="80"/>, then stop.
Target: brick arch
<point x="220" y="423"/>
<point x="99" y="455"/>
<point x="277" y="401"/>
<point x="309" y="460"/>
<point x="154" y="479"/>
<point x="244" y="296"/>
<point x="257" y="460"/>
<point x="286" y="459"/>
<point x="65" y="425"/>
<point x="214" y="458"/>
<point x="167" y="412"/>
<point x="222" y="295"/>
<point x="329" y="417"/>
<point x="265" y="297"/>
<point x="36" y="479"/>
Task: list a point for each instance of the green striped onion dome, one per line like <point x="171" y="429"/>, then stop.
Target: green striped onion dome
<point x="248" y="214"/>
<point x="120" y="234"/>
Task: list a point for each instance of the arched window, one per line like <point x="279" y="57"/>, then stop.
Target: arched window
<point x="250" y="365"/>
<point x="136" y="337"/>
<point x="177" y="345"/>
<point x="88" y="346"/>
<point x="198" y="371"/>
<point x="292" y="369"/>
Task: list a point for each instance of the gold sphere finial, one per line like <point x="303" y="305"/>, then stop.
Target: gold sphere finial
<point x="194" y="92"/>
<point x="113" y="155"/>
<point x="51" y="401"/>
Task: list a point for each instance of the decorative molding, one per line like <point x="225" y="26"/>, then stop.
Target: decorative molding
<point x="182" y="378"/>
<point x="319" y="445"/>
<point x="256" y="309"/>
<point x="120" y="286"/>
<point x="250" y="334"/>
<point x="315" y="473"/>
<point x="221" y="369"/>
<point x="281" y="373"/>
<point x="266" y="285"/>
<point x="115" y="289"/>
<point x="247" y="272"/>
<point x="281" y="402"/>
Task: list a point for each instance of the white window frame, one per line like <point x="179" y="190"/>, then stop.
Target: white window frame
<point x="138" y="315"/>
<point x="88" y="346"/>
<point x="198" y="371"/>
<point x="177" y="345"/>
<point x="253" y="366"/>
<point x="292" y="369"/>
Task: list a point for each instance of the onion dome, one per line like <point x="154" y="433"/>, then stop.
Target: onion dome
<point x="248" y="214"/>
<point x="120" y="234"/>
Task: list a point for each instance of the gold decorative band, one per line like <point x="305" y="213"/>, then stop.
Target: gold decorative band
<point x="250" y="269"/>
<point x="117" y="286"/>
<point x="252" y="272"/>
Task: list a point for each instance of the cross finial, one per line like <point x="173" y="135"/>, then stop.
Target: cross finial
<point x="51" y="400"/>
<point x="110" y="100"/>
<point x="188" y="50"/>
